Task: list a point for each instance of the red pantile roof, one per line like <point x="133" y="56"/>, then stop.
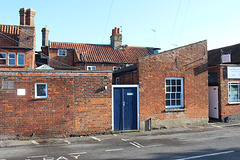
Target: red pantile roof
<point x="105" y="53"/>
<point x="9" y="35"/>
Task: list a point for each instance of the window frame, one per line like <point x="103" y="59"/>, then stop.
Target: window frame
<point x="91" y="68"/>
<point x="46" y="87"/>
<point x="61" y="55"/>
<point x="238" y="91"/>
<point x="23" y="59"/>
<point x="12" y="59"/>
<point x="3" y="59"/>
<point x="7" y="84"/>
<point x="175" y="93"/>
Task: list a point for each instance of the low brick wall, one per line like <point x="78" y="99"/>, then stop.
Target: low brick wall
<point x="77" y="103"/>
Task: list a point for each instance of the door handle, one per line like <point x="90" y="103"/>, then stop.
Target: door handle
<point x="123" y="104"/>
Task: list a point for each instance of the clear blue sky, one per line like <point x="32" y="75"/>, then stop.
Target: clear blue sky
<point x="177" y="22"/>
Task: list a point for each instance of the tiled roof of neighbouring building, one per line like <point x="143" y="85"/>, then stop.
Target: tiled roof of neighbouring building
<point x="106" y="53"/>
<point x="9" y="35"/>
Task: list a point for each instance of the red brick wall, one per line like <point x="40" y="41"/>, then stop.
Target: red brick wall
<point x="61" y="62"/>
<point x="226" y="109"/>
<point x="76" y="104"/>
<point x="27" y="36"/>
<point x="186" y="62"/>
<point x="127" y="77"/>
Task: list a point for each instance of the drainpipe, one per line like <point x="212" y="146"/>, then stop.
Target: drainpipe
<point x="85" y="62"/>
<point x="150" y="124"/>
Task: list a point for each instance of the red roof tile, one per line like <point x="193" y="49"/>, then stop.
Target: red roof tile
<point x="105" y="53"/>
<point x="9" y="35"/>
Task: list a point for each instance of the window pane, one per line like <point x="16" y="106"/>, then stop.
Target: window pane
<point x="20" y="59"/>
<point x="173" y="82"/>
<point x="5" y="84"/>
<point x="168" y="96"/>
<point x="173" y="102"/>
<point x="178" y="88"/>
<point x="41" y="90"/>
<point x="2" y="55"/>
<point x="2" y="61"/>
<point x="11" y="58"/>
<point x="168" y="89"/>
<point x="11" y="61"/>
<point x="178" y="82"/>
<point x="173" y="89"/>
<point x="233" y="93"/>
<point x="11" y="55"/>
<point x="167" y="102"/>
<point x="178" y="102"/>
<point x="10" y="84"/>
<point x="178" y="95"/>
<point x="167" y="82"/>
<point x="172" y="95"/>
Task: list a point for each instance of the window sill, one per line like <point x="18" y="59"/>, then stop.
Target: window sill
<point x="5" y="66"/>
<point x="39" y="99"/>
<point x="174" y="110"/>
<point x="234" y="103"/>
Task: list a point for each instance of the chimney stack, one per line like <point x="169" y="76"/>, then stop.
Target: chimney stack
<point x="45" y="32"/>
<point x="27" y="16"/>
<point x="22" y="13"/>
<point x="116" y="38"/>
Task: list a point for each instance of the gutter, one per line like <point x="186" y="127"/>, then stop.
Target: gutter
<point x="13" y="47"/>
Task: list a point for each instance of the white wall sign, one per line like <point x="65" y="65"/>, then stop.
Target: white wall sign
<point x="226" y="58"/>
<point x="233" y="72"/>
<point x="21" y="92"/>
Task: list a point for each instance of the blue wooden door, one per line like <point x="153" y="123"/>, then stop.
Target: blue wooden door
<point x="125" y="108"/>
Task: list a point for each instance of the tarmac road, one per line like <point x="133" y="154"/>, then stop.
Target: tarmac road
<point x="219" y="141"/>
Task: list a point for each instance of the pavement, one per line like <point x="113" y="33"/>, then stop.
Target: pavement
<point x="7" y="143"/>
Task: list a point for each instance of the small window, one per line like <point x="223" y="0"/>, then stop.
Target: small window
<point x="91" y="68"/>
<point x="3" y="58"/>
<point x="11" y="59"/>
<point x="7" y="84"/>
<point x="41" y="90"/>
<point x="115" y="68"/>
<point x="21" y="59"/>
<point x="62" y="52"/>
<point x="174" y="92"/>
<point x="234" y="92"/>
<point x="117" y="80"/>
